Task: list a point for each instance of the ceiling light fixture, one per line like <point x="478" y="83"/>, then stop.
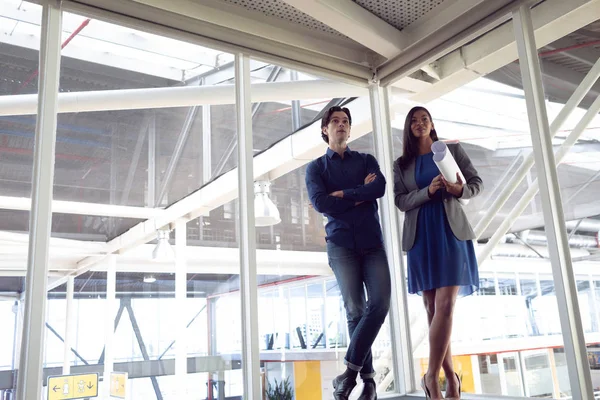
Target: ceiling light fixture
<point x="265" y="211"/>
<point x="163" y="251"/>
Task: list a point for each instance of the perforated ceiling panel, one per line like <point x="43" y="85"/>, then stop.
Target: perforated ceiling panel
<point x="399" y="13"/>
<point x="280" y="9"/>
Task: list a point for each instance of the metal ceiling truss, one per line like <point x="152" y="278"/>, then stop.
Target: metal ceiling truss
<point x="553" y="19"/>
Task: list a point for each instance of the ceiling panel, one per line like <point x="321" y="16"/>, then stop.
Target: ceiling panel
<point x="399" y="13"/>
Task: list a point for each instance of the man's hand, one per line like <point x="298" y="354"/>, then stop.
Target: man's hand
<point x="435" y="185"/>
<point x="340" y="193"/>
<point x="370" y="178"/>
<point x="455" y="189"/>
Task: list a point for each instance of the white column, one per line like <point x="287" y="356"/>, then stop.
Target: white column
<point x="399" y="318"/>
<point x="180" y="307"/>
<point x="595" y="319"/>
<point x="69" y="325"/>
<point x="249" y="292"/>
<point x="109" y="319"/>
<point x="18" y="310"/>
<point x="206" y="144"/>
<point x="560" y="257"/>
<point x="476" y="374"/>
<point x="29" y="383"/>
<point x="151" y="201"/>
<point x="502" y="375"/>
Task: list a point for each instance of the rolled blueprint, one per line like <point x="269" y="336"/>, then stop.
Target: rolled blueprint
<point x="447" y="165"/>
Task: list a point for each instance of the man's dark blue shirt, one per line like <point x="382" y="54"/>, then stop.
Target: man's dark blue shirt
<point x="351" y="226"/>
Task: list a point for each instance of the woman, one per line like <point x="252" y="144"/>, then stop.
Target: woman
<point x="437" y="237"/>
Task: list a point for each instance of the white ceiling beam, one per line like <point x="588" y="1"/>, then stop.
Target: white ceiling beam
<point x="353" y="21"/>
<point x="206" y="260"/>
<point x="552" y="20"/>
<point x="321" y="54"/>
<point x="200" y="260"/>
<point x="255" y="23"/>
<point x="106" y="33"/>
<point x="15" y="239"/>
<point x="431" y="43"/>
<point x="80" y="208"/>
<point x="412" y="84"/>
<point x="90" y="55"/>
<point x="442" y="16"/>
<point x="186" y="96"/>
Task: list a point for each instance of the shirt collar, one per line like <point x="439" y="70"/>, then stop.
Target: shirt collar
<point x="331" y="153"/>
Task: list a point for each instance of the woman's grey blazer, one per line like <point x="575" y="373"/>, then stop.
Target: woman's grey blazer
<point x="409" y="198"/>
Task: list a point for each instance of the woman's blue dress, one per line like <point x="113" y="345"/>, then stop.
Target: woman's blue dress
<point x="438" y="259"/>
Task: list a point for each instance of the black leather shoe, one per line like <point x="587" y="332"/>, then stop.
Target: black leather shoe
<point x="369" y="392"/>
<point x="342" y="387"/>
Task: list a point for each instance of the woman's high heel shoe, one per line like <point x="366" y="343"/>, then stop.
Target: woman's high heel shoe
<point x="425" y="389"/>
<point x="459" y="389"/>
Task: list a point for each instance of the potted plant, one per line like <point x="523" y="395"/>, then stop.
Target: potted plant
<point x="281" y="390"/>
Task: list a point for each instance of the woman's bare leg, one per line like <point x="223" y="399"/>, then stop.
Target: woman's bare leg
<point x="440" y="330"/>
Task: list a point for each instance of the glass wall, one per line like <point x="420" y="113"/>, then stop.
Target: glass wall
<point x="578" y="181"/>
<point x="302" y="320"/>
<point x="126" y="149"/>
<point x="19" y="74"/>
<point x="506" y="337"/>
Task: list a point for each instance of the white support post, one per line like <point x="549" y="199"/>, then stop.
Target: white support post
<point x="18" y="310"/>
<point x="595" y="320"/>
<point x="180" y="307"/>
<point x="399" y="318"/>
<point x="109" y="319"/>
<point x="206" y="144"/>
<point x="476" y="374"/>
<point x="69" y="326"/>
<point x="29" y="381"/>
<point x="558" y="246"/>
<point x="248" y="286"/>
<point x="502" y="375"/>
<point x="151" y="200"/>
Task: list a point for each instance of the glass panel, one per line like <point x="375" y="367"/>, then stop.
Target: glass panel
<point x="578" y="184"/>
<point x="529" y="292"/>
<point x="8" y="310"/>
<point x="538" y="373"/>
<point x="516" y="300"/>
<point x="490" y="375"/>
<point x="586" y="306"/>
<point x="20" y="33"/>
<point x="148" y="157"/>
<point x="88" y="334"/>
<point x="302" y="320"/>
<point x="124" y="157"/>
<point x="507" y="285"/>
<point x="512" y="374"/>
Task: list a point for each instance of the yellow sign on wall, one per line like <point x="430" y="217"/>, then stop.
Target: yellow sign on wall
<point x="118" y="384"/>
<point x="66" y="387"/>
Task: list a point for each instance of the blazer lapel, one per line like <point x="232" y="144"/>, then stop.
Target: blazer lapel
<point x="409" y="177"/>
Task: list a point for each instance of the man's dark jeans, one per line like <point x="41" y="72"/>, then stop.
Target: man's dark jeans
<point x="352" y="269"/>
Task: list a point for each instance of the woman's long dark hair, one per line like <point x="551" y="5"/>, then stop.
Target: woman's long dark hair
<point x="410" y="145"/>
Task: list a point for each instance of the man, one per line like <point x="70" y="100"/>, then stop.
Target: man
<point x="344" y="185"/>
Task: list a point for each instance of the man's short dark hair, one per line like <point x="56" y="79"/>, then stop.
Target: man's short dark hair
<point x="327" y="117"/>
